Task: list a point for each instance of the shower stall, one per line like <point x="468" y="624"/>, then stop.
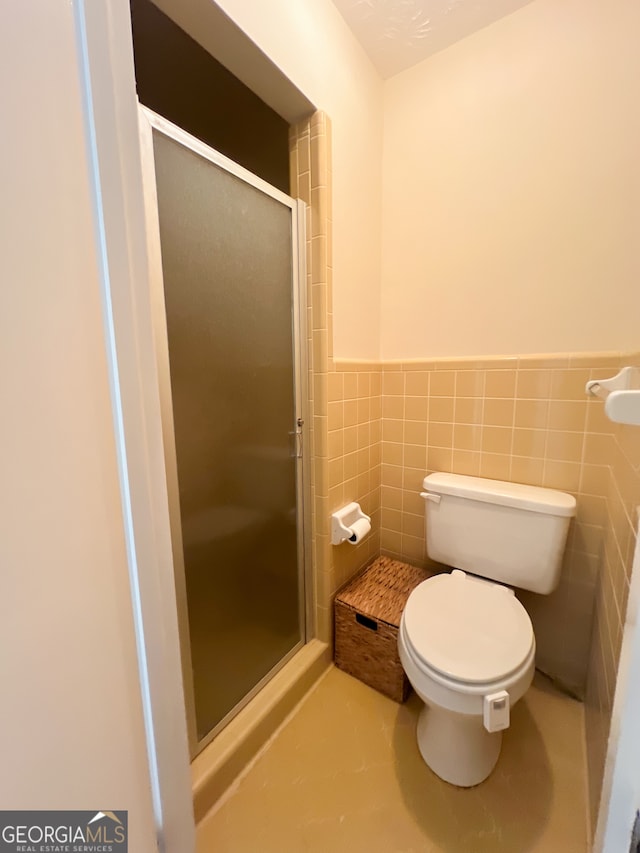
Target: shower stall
<point x="229" y="311"/>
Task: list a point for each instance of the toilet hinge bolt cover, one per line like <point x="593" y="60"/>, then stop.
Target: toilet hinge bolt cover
<point x="495" y="711"/>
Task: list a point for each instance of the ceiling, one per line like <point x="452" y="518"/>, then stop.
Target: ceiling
<point x="397" y="34"/>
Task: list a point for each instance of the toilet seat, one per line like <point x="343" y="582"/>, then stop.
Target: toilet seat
<point x="465" y="631"/>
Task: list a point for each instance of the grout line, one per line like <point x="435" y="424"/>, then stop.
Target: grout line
<point x="481" y="417"/>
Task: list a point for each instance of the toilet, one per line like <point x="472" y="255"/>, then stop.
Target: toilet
<point x="465" y="641"/>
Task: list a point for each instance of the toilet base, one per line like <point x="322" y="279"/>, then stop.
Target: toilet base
<point x="457" y="747"/>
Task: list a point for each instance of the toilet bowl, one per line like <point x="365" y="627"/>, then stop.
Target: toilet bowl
<point x="466" y="643"/>
<point x="462" y="640"/>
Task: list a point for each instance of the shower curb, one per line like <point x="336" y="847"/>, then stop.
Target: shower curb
<point x="222" y="761"/>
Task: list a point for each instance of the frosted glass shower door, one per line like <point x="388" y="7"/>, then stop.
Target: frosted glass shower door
<point x="232" y="418"/>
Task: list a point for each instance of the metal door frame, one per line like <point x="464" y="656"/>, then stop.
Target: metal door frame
<point x="148" y="121"/>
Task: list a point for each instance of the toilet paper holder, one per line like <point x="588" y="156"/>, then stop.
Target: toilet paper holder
<point x="349" y="524"/>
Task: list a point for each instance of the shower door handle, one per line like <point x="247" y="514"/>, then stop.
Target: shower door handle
<point x="299" y="437"/>
<point x="295" y="436"/>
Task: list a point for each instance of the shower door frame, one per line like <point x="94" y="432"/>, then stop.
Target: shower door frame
<point x="149" y="121"/>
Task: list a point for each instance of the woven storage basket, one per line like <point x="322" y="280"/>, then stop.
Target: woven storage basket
<point x="367" y="614"/>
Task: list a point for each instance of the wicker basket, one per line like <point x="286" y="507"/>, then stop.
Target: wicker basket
<point x="367" y="614"/>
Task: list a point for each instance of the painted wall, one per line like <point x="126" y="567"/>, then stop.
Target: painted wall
<point x="71" y="729"/>
<point x="310" y="42"/>
<point x="511" y="189"/>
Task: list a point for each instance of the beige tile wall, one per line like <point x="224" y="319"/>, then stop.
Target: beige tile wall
<point x="622" y="448"/>
<point x="354" y="458"/>
<point x="522" y="419"/>
<point x="310" y="172"/>
<point x="344" y="398"/>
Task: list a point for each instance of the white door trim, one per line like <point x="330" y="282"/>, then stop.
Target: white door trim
<point x="111" y="123"/>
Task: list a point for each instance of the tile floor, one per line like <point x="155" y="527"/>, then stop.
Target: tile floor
<point x="344" y="774"/>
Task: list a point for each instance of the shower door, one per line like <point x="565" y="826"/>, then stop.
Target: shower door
<point x="224" y="252"/>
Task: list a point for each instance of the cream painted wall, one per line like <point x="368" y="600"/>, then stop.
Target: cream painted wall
<point x="71" y="727"/>
<point x="310" y="42"/>
<point x="511" y="188"/>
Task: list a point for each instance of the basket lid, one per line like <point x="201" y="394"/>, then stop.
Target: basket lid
<point x="382" y="589"/>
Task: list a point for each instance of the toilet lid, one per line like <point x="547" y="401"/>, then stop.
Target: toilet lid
<point x="468" y="630"/>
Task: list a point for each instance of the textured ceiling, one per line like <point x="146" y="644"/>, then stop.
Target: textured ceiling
<point x="399" y="33"/>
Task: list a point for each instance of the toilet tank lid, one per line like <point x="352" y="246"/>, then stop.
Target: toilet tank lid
<point x="533" y="498"/>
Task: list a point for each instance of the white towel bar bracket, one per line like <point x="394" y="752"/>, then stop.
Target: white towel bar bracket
<point x="621" y="395"/>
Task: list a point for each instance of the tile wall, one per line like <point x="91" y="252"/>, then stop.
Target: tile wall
<point x="355" y="429"/>
<point x="622" y="449"/>
<point x="344" y="452"/>
<point x="310" y="174"/>
<point x="527" y="420"/>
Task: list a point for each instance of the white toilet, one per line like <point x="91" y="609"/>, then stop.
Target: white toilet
<point x="465" y="642"/>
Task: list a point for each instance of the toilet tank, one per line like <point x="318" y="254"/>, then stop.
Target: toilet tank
<point x="508" y="532"/>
